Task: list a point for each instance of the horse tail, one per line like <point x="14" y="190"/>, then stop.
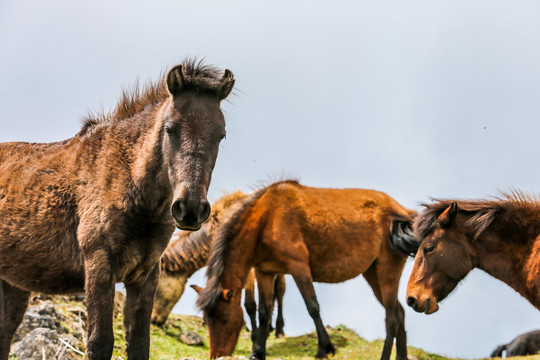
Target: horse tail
<point x="498" y="352"/>
<point x="187" y="253"/>
<point x="402" y="238"/>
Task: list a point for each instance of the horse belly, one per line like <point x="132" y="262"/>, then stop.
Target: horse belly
<point x="341" y="265"/>
<point x="336" y="272"/>
<point x="42" y="256"/>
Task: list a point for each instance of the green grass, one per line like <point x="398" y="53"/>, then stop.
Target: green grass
<point x="166" y="344"/>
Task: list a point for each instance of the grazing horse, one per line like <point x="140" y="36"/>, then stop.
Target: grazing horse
<point x="523" y="345"/>
<point x="189" y="251"/>
<point x="500" y="237"/>
<point x="324" y="235"/>
<point x="85" y="213"/>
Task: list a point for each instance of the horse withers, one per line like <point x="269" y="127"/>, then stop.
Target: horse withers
<point x="324" y="235"/>
<point x="500" y="237"/>
<point x="88" y="212"/>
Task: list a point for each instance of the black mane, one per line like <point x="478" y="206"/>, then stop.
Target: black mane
<point x="480" y="213"/>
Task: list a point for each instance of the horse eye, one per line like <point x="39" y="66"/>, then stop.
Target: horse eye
<point x="428" y="249"/>
<point x="169" y="130"/>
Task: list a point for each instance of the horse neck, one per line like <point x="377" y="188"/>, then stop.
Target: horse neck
<point x="131" y="151"/>
<point x="508" y="251"/>
<point x="148" y="172"/>
<point x="239" y="259"/>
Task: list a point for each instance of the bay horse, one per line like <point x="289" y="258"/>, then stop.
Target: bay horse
<point x="99" y="208"/>
<point x="188" y="252"/>
<point x="523" y="345"/>
<point x="500" y="237"/>
<point x="314" y="234"/>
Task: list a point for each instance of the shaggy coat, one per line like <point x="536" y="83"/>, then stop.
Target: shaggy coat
<point x="85" y="213"/>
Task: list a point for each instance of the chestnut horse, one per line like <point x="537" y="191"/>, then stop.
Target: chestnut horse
<point x="324" y="235"/>
<point x="189" y="251"/>
<point x="501" y="237"/>
<point x="88" y="212"/>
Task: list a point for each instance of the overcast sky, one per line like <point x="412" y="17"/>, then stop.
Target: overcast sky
<point x="419" y="99"/>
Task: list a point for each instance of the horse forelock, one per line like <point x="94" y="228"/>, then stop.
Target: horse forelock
<point x="480" y="213"/>
<point x="197" y="76"/>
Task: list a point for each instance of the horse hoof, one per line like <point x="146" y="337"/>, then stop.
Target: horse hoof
<point x="280" y="335"/>
<point x="254" y="356"/>
<point x="325" y="350"/>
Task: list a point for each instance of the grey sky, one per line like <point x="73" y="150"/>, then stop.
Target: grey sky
<point x="418" y="99"/>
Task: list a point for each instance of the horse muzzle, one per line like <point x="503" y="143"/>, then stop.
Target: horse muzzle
<point x="189" y="214"/>
<point x="427" y="305"/>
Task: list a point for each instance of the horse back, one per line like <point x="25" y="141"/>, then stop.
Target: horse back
<point x="341" y="232"/>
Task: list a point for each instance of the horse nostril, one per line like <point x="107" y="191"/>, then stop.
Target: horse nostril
<point x="411" y="301"/>
<point x="179" y="210"/>
<point x="204" y="211"/>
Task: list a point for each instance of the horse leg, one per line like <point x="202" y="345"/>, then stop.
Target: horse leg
<point x="385" y="288"/>
<point x="137" y="314"/>
<point x="99" y="294"/>
<point x="249" y="302"/>
<point x="279" y="292"/>
<point x="265" y="285"/>
<point x="13" y="304"/>
<point x="302" y="276"/>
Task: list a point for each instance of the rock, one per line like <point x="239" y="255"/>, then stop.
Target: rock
<point x="43" y="315"/>
<point x="191" y="338"/>
<point x="42" y="343"/>
<point x="39" y="344"/>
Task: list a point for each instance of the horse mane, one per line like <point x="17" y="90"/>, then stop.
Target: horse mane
<point x="480" y="213"/>
<point x="197" y="76"/>
<point x="216" y="264"/>
<point x="189" y="250"/>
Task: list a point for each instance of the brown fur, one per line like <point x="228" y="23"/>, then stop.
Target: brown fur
<point x="93" y="210"/>
<point x="189" y="251"/>
<point x="325" y="235"/>
<point x="500" y="236"/>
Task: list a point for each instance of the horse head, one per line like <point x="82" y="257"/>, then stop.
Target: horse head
<point x="444" y="258"/>
<point x="224" y="318"/>
<point x="192" y="127"/>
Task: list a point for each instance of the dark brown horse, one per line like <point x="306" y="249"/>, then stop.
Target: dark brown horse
<point x="189" y="251"/>
<point x="324" y="235"/>
<point x="523" y="345"/>
<point x="501" y="237"/>
<point x="88" y="212"/>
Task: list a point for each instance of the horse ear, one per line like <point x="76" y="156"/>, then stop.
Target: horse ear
<point x="448" y="215"/>
<point x="196" y="288"/>
<point x="226" y="84"/>
<point x="227" y="294"/>
<point x="175" y="80"/>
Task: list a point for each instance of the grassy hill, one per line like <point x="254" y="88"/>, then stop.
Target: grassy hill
<point x="165" y="343"/>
